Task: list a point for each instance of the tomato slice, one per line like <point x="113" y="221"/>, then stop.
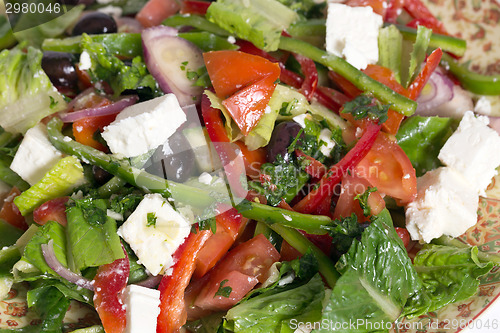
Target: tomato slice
<point x="229" y="224"/>
<point x="418" y="10"/>
<point x="195" y="7"/>
<point x="84" y="130"/>
<point x="404" y="235"/>
<point x="10" y="213"/>
<point x="109" y="283"/>
<point x="155" y="11"/>
<point x="394" y="8"/>
<point x="310" y="72"/>
<point x="230" y="71"/>
<point x="251" y="259"/>
<point x="315" y="168"/>
<point x="378" y="6"/>
<point x="253" y="159"/>
<point x="388" y="168"/>
<point x="352" y="185"/>
<point x="248" y="105"/>
<point x="328" y="182"/>
<point x="173" y="312"/>
<point x="52" y="210"/>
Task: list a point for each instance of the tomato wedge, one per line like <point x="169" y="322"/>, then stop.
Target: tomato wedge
<point x="243" y="267"/>
<point x="352" y="185"/>
<point x="229" y="224"/>
<point x="388" y="168"/>
<point x="195" y="7"/>
<point x="109" y="283"/>
<point x="85" y="129"/>
<point x="155" y="11"/>
<point x="173" y="313"/>
<point x="248" y="105"/>
<point x="378" y="6"/>
<point x="52" y="210"/>
<point x="230" y="71"/>
<point x="10" y="213"/>
<point x="328" y="182"/>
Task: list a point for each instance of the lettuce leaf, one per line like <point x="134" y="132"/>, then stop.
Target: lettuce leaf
<point x="449" y="274"/>
<point x="258" y="21"/>
<point x="93" y="244"/>
<point x="377" y="279"/>
<point x="26" y="93"/>
<point x="421" y="138"/>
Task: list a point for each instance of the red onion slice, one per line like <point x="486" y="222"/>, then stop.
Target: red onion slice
<point x="495" y="123"/>
<point x="101" y="110"/>
<point x="171" y="59"/>
<point x="438" y="91"/>
<point x="51" y="259"/>
<point x="151" y="282"/>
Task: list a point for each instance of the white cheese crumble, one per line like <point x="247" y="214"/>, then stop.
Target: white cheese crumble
<point x="142" y="305"/>
<point x="352" y="32"/>
<point x="155" y="244"/>
<point x="144" y="126"/>
<point x="35" y="155"/>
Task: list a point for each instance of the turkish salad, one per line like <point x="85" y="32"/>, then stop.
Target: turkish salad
<point x="239" y="165"/>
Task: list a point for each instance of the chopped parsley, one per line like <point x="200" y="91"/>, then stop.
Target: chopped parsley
<point x="363" y="200"/>
<point x="224" y="291"/>
<point x="151" y="220"/>
<point x="364" y="106"/>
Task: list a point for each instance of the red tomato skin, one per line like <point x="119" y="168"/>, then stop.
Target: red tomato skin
<point x="404" y="235"/>
<point x="195" y="7"/>
<point x="388" y="168"/>
<point x="155" y="11"/>
<point x="378" y="6"/>
<point x="229" y="224"/>
<point x="84" y="130"/>
<point x="240" y="285"/>
<point x="109" y="283"/>
<point x="352" y="185"/>
<point x="252" y="258"/>
<point x="253" y="159"/>
<point x="173" y="312"/>
<point x="231" y="71"/>
<point x="52" y="210"/>
<point x="10" y="213"/>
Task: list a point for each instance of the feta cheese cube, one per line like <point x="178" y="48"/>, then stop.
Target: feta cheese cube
<point x="326" y="142"/>
<point x="446" y="204"/>
<point x="473" y="150"/>
<point x="352" y="32"/>
<point x="144" y="126"/>
<point x="155" y="243"/>
<point x="35" y="156"/>
<point x="143" y="308"/>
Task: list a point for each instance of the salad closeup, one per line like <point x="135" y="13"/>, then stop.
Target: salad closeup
<point x="239" y="165"/>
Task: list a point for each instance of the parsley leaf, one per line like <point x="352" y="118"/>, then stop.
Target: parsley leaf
<point x="151" y="220"/>
<point x="94" y="210"/>
<point x="364" y="106"/>
<point x="363" y="200"/>
<point x="223" y="291"/>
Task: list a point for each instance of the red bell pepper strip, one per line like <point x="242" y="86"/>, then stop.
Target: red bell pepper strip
<point x="331" y="98"/>
<point x="315" y="168"/>
<point x="225" y="149"/>
<point x="310" y="72"/>
<point x="109" y="283"/>
<point x="420" y="81"/>
<point x="173" y="313"/>
<point x="419" y="11"/>
<point x="327" y="183"/>
<point x="195" y="7"/>
<point x="394" y="9"/>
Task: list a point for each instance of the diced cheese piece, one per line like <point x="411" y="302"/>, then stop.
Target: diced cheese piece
<point x="154" y="244"/>
<point x="142" y="306"/>
<point x="35" y="156"/>
<point x="473" y="150"/>
<point x="352" y="32"/>
<point x="446" y="204"/>
<point x="144" y="126"/>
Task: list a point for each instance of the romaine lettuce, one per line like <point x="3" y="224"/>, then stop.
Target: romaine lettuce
<point x="26" y="93"/>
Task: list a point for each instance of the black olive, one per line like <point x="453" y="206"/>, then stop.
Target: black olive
<point x="101" y="176"/>
<point x="95" y="23"/>
<point x="60" y="69"/>
<point x="283" y="135"/>
<point x="179" y="164"/>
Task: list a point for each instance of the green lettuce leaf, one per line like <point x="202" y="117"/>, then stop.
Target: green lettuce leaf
<point x="377" y="279"/>
<point x="51" y="305"/>
<point x="258" y="21"/>
<point x="93" y="244"/>
<point x="390" y="48"/>
<point x="277" y="310"/>
<point x="449" y="274"/>
<point x="26" y="93"/>
<point x="422" y="138"/>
